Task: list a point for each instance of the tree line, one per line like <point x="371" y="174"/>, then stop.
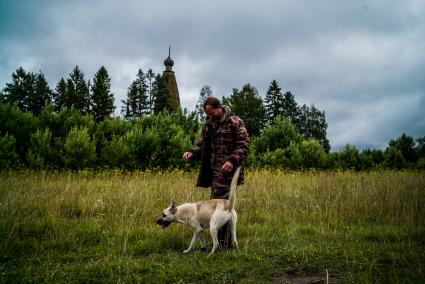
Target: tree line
<point x="72" y="127"/>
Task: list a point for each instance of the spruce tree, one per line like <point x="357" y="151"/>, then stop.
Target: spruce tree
<point x="102" y="100"/>
<point x="248" y="105"/>
<point x="41" y="96"/>
<point x="150" y="76"/>
<point x="273" y="101"/>
<point x="59" y="95"/>
<point x="29" y="91"/>
<point x="312" y="124"/>
<point x="78" y="91"/>
<point x="162" y="95"/>
<point x="290" y="108"/>
<point x="205" y="92"/>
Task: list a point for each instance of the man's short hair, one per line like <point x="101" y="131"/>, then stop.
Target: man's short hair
<point x="212" y="101"/>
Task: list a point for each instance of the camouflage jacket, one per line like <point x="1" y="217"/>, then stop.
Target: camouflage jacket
<point x="221" y="141"/>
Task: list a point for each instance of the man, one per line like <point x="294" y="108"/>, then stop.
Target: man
<point x="223" y="146"/>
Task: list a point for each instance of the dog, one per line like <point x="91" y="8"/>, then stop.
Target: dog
<point x="212" y="214"/>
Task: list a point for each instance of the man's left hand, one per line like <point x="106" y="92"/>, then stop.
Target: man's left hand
<point x="227" y="167"/>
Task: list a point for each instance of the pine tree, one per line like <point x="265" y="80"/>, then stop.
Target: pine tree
<point x="41" y="96"/>
<point x="132" y="99"/>
<point x="312" y="124"/>
<point x="102" y="100"/>
<point x="205" y="92"/>
<point x="19" y="91"/>
<point x="59" y="95"/>
<point x="142" y="95"/>
<point x="29" y="91"/>
<point x="150" y="76"/>
<point x="78" y="91"/>
<point x="273" y="101"/>
<point x="248" y="105"/>
<point x="162" y="95"/>
<point x="290" y="108"/>
<point x="138" y="95"/>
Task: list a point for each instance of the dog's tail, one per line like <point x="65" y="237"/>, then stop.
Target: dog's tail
<point x="232" y="194"/>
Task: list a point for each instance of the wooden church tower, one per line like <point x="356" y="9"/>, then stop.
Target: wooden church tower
<point x="171" y="82"/>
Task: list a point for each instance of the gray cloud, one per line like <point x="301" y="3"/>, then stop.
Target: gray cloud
<point x="361" y="62"/>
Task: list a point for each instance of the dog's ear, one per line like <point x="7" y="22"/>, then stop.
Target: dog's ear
<point x="173" y="208"/>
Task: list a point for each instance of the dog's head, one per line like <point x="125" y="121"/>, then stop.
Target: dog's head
<point x="167" y="215"/>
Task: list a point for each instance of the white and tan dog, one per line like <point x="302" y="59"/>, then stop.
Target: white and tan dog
<point x="212" y="214"/>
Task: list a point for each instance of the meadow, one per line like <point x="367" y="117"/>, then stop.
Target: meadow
<point x="99" y="227"/>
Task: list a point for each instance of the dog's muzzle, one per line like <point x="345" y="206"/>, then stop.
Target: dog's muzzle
<point x="164" y="223"/>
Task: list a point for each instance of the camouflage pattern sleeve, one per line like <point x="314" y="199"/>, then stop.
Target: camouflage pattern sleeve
<point x="242" y="142"/>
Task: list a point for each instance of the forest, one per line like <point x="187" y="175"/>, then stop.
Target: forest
<point x="73" y="126"/>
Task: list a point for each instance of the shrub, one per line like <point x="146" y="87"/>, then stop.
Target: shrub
<point x="8" y="156"/>
<point x="307" y="154"/>
<point x="79" y="149"/>
<point x="40" y="152"/>
<point x="280" y="134"/>
<point x="276" y="159"/>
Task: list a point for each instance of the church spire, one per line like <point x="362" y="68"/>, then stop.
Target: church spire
<point x="168" y="62"/>
<point x="170" y="81"/>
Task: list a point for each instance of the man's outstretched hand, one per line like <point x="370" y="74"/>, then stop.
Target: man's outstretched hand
<point x="187" y="155"/>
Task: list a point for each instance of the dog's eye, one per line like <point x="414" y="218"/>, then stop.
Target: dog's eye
<point x="163" y="215"/>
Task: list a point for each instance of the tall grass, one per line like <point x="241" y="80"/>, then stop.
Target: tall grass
<point x="100" y="227"/>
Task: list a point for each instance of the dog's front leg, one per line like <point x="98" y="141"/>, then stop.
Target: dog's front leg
<point x="192" y="242"/>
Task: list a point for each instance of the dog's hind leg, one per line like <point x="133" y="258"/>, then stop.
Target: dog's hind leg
<point x="214" y="232"/>
<point x="233" y="222"/>
<point x="202" y="240"/>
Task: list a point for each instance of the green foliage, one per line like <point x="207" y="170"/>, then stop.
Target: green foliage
<point x="18" y="124"/>
<point x="277" y="158"/>
<point x="162" y="96"/>
<point x="404" y="144"/>
<point x="394" y="158"/>
<point x="41" y="153"/>
<point x="138" y="100"/>
<point x="312" y="124"/>
<point x="157" y="141"/>
<point x="280" y="134"/>
<point x="205" y="92"/>
<point x="8" y="157"/>
<point x="77" y="92"/>
<point x="247" y="104"/>
<point x="79" y="149"/>
<point x="307" y="155"/>
<point x="29" y="91"/>
<point x="102" y="100"/>
<point x="349" y="158"/>
<point x="115" y="153"/>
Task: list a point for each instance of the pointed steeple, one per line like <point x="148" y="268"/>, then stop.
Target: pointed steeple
<point x="168" y="62"/>
<point x="171" y="82"/>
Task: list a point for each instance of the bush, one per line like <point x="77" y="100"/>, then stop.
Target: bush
<point x="115" y="153"/>
<point x="280" y="134"/>
<point x="307" y="154"/>
<point x="8" y="157"/>
<point x="275" y="159"/>
<point x="349" y="158"/>
<point x="18" y="124"/>
<point x="40" y="152"/>
<point x="79" y="149"/>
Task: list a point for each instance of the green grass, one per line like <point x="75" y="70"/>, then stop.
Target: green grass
<point x="100" y="227"/>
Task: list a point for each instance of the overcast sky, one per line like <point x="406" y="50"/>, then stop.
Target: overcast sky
<point x="362" y="62"/>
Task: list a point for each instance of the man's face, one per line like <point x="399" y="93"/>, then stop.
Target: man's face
<point x="213" y="113"/>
